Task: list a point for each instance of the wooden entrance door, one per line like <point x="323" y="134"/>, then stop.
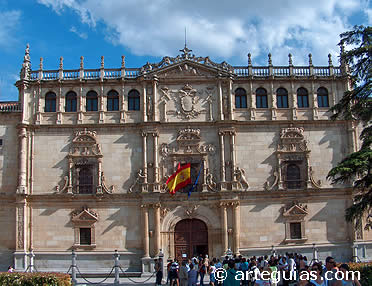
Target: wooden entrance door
<point x="190" y="238"/>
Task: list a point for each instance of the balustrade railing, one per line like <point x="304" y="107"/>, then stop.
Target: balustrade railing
<point x="112" y="73"/>
<point x="281" y="71"/>
<point x="240" y="71"/>
<point x="321" y="71"/>
<point x="9" y="106"/>
<point x="71" y="74"/>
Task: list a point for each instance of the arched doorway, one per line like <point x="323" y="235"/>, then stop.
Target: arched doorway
<point x="190" y="238"/>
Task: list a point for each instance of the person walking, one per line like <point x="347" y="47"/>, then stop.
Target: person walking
<point x="192" y="276"/>
<point x="159" y="271"/>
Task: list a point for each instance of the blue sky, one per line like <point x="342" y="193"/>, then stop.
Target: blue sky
<point x="147" y="30"/>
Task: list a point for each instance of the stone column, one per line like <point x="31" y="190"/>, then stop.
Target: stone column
<point x="146" y="240"/>
<point x="220" y="101"/>
<point x="157" y="228"/>
<point x="156" y="163"/>
<point x="222" y="156"/>
<point x="22" y="161"/>
<point x="155" y="98"/>
<point x="144" y="156"/>
<point x="122" y="101"/>
<point x="225" y="235"/>
<point x="236" y="219"/>
<point x="232" y="155"/>
<point x="101" y="103"/>
<point x="59" y="104"/>
<point x="230" y="100"/>
<point x="144" y="100"/>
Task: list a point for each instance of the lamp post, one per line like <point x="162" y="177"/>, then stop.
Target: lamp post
<point x="273" y="251"/>
<point x="315" y="253"/>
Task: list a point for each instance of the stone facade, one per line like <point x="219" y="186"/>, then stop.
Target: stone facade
<point x="189" y="111"/>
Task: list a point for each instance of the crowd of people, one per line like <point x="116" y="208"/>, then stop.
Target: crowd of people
<point x="290" y="269"/>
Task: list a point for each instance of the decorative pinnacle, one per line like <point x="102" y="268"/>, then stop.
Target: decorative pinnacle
<point x="102" y="62"/>
<point x="310" y="59"/>
<point x="290" y="59"/>
<point x="41" y="64"/>
<point x="81" y="62"/>
<point x="61" y="63"/>
<point x="186" y="52"/>
<point x="122" y="62"/>
<point x="249" y="59"/>
<point x="26" y="58"/>
<point x="330" y="60"/>
<point x="270" y="61"/>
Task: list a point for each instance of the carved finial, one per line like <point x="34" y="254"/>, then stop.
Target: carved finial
<point x="330" y="60"/>
<point x="81" y="62"/>
<point x="41" y="64"/>
<point x="249" y="59"/>
<point x="122" y="62"/>
<point x="310" y="59"/>
<point x="270" y="61"/>
<point x="290" y="59"/>
<point x="61" y="63"/>
<point x="26" y="66"/>
<point x="102" y="62"/>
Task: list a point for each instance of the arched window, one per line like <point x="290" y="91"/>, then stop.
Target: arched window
<point x="322" y="95"/>
<point x="261" y="98"/>
<point x="85" y="180"/>
<point x="92" y="101"/>
<point x="71" y="102"/>
<point x="282" y="98"/>
<point x="133" y="100"/>
<point x="112" y="100"/>
<point x="50" y="102"/>
<point x="293" y="176"/>
<point x="302" y="97"/>
<point x="240" y="98"/>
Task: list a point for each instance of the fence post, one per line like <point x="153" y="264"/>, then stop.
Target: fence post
<point x="117" y="272"/>
<point x="73" y="268"/>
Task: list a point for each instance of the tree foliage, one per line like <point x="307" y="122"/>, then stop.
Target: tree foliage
<point x="356" y="105"/>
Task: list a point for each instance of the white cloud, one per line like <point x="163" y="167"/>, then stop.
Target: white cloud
<point x="369" y="15"/>
<point x="80" y="34"/>
<point x="8" y="24"/>
<point x="221" y="29"/>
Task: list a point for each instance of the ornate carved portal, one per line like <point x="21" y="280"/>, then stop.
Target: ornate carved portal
<point x="85" y="173"/>
<point x="190" y="238"/>
<point x="188" y="149"/>
<point x="293" y="156"/>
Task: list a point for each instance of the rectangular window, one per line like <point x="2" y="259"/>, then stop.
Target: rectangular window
<point x="1" y="142"/>
<point x="295" y="229"/>
<point x="85" y="236"/>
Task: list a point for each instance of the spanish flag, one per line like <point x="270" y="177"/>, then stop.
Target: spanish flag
<point x="179" y="179"/>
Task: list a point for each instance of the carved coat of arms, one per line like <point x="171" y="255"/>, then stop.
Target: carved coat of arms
<point x="188" y="100"/>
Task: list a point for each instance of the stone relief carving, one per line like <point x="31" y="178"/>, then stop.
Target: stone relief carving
<point x="20" y="229"/>
<point x="85" y="214"/>
<point x="295" y="209"/>
<point x="84" y="151"/>
<point x="187" y="99"/>
<point x="186" y="55"/>
<point x="211" y="182"/>
<point x="190" y="211"/>
<point x="293" y="149"/>
<point x="138" y="181"/>
<point x="239" y="174"/>
<point x="275" y="183"/>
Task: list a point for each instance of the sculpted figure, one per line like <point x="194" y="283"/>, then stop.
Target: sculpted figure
<point x="138" y="181"/>
<point x="240" y="177"/>
<point x="210" y="181"/>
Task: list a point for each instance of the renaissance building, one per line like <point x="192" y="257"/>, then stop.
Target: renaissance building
<point x="85" y="154"/>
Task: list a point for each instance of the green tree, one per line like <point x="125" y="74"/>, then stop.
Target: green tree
<point x="356" y="105"/>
